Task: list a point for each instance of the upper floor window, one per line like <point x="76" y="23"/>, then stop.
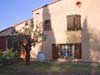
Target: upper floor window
<point x="47" y="25"/>
<point x="73" y="22"/>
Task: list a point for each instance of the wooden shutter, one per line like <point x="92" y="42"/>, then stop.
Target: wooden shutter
<point x="77" y="22"/>
<point x="77" y="50"/>
<point x="70" y="22"/>
<point x="55" y="51"/>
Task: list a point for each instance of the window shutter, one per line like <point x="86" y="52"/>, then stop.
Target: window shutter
<point x="55" y="51"/>
<point x="77" y="50"/>
<point x="70" y="22"/>
<point x="74" y="22"/>
<point x="77" y="22"/>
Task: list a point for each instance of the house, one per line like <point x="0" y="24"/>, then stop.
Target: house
<point x="71" y="30"/>
<point x="9" y="35"/>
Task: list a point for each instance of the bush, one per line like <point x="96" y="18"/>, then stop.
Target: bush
<point x="9" y="56"/>
<point x="1" y="55"/>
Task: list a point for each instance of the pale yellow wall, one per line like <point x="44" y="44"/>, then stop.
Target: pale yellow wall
<point x="57" y="13"/>
<point x="89" y="36"/>
<point x="91" y="30"/>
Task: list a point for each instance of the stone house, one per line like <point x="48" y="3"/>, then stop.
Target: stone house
<point x="71" y="30"/>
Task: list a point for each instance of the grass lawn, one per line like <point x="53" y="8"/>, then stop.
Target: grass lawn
<point x="20" y="67"/>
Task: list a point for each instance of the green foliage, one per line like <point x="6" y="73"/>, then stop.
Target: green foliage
<point x="9" y="53"/>
<point x="29" y="30"/>
<point x="8" y="56"/>
<point x="1" y="55"/>
<point x="37" y="35"/>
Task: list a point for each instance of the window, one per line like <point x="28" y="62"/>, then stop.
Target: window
<point x="66" y="50"/>
<point x="73" y="22"/>
<point x="47" y="25"/>
<point x="72" y="50"/>
<point x="10" y="41"/>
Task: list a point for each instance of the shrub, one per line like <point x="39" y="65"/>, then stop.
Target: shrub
<point x="1" y="55"/>
<point x="9" y="56"/>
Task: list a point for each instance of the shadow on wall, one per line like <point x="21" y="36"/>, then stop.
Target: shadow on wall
<point x="90" y="43"/>
<point x="85" y="41"/>
<point x="94" y="44"/>
<point x="94" y="47"/>
<point x="48" y="33"/>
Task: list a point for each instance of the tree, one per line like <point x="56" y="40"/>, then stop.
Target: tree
<point x="28" y="37"/>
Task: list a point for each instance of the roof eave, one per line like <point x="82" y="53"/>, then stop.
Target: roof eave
<point x="45" y="5"/>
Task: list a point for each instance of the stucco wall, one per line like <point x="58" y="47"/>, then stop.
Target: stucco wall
<point x="57" y="13"/>
<point x="88" y="36"/>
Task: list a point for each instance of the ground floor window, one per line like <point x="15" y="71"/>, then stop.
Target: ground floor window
<point x="11" y="41"/>
<point x="66" y="50"/>
<point x="72" y="50"/>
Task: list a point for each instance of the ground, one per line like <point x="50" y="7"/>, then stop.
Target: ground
<point x="50" y="68"/>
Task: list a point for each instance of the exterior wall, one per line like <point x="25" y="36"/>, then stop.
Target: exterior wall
<point x="57" y="13"/>
<point x="88" y="36"/>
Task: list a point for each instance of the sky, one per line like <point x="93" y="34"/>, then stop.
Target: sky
<point x="15" y="11"/>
